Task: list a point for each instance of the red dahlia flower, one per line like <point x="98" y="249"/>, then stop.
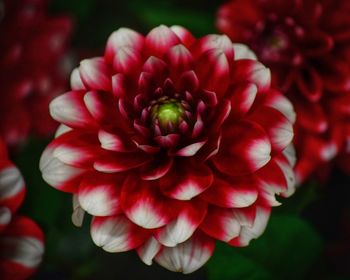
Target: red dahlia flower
<point x="307" y="46"/>
<point x="32" y="47"/>
<point x="21" y="240"/>
<point x="170" y="143"/>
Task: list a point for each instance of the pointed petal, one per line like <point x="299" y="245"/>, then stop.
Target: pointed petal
<point x="182" y="228"/>
<point x="160" y="39"/>
<point x="245" y="148"/>
<point x="188" y="256"/>
<point x="123" y="37"/>
<point x="149" y="250"/>
<point x="95" y="74"/>
<point x="69" y="109"/>
<point x="194" y="179"/>
<point x="99" y="194"/>
<point x="144" y="205"/>
<point x="116" y="234"/>
<point x="234" y="193"/>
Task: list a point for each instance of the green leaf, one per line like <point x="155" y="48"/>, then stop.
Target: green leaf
<point x="198" y="22"/>
<point x="285" y="251"/>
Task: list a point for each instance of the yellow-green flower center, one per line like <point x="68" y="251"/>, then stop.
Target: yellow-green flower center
<point x="168" y="113"/>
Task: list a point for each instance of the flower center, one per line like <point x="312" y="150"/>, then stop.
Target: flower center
<point x="168" y="113"/>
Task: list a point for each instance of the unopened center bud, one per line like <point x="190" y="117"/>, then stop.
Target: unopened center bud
<point x="168" y="113"/>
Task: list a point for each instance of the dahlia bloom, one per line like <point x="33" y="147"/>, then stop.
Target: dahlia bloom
<point x="32" y="48"/>
<point x="171" y="143"/>
<point x="21" y="240"/>
<point x="307" y="46"/>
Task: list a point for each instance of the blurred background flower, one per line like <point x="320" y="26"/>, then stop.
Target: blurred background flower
<point x="33" y="65"/>
<point x="21" y="240"/>
<point x="306" y="44"/>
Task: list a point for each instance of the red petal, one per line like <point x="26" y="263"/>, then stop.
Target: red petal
<point x="144" y="205"/>
<point x="99" y="194"/>
<point x="116" y="234"/>
<point x="95" y="74"/>
<point x="121" y="38"/>
<point x="245" y="148"/>
<point x="187" y="256"/>
<point x="159" y="40"/>
<point x="277" y="126"/>
<point x="213" y="71"/>
<point x="194" y="179"/>
<point x="118" y="162"/>
<point x="157" y="168"/>
<point x="234" y="193"/>
<point x="184" y="35"/>
<point x="70" y="110"/>
<point x="182" y="228"/>
<point x="251" y="71"/>
<point x="127" y="60"/>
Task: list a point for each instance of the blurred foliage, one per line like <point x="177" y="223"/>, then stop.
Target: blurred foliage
<point x="285" y="251"/>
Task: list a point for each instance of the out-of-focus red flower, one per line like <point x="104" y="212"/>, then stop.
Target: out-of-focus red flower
<point x="172" y="142"/>
<point x="32" y="70"/>
<point x="21" y="240"/>
<point x="307" y="46"/>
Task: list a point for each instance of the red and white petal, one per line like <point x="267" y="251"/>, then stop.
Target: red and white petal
<point x="213" y="71"/>
<point x="221" y="224"/>
<point x="248" y="144"/>
<point x="78" y="212"/>
<point x="220" y="43"/>
<point x="194" y="179"/>
<point x="111" y="141"/>
<point x="62" y="129"/>
<point x="290" y="154"/>
<point x="116" y="234"/>
<point x="159" y="40"/>
<point x="12" y="187"/>
<point x="289" y="175"/>
<point x="127" y="60"/>
<point x="182" y="228"/>
<point x="272" y="181"/>
<point x="237" y="192"/>
<point x="187" y="257"/>
<point x="149" y="250"/>
<point x="255" y="231"/>
<point x="276" y="100"/>
<point x="99" y="194"/>
<point x="243" y="52"/>
<point x="95" y="74"/>
<point x="120" y="161"/>
<point x="184" y="35"/>
<point x="5" y="217"/>
<point x="21" y="249"/>
<point x="242" y="99"/>
<point x="123" y="37"/>
<point x="252" y="71"/>
<point x="180" y="59"/>
<point x="69" y="109"/>
<point x="278" y="127"/>
<point x="76" y="82"/>
<point x="157" y="168"/>
<point x="190" y="150"/>
<point x="144" y="205"/>
<point x="57" y="174"/>
<point x="102" y="107"/>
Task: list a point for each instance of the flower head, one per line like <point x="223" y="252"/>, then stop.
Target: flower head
<point x="21" y="240"/>
<point x="32" y="49"/>
<point x="306" y="44"/>
<point x="171" y="142"/>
